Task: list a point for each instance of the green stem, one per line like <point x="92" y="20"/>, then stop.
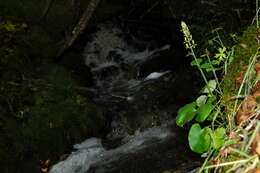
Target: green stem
<point x="231" y="163"/>
<point x="206" y="161"/>
<point x="201" y="71"/>
<point x="252" y="62"/>
<point x="214" y="73"/>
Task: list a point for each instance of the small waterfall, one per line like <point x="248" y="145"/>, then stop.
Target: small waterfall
<point x="113" y="61"/>
<point x="91" y="152"/>
<point x="115" y="64"/>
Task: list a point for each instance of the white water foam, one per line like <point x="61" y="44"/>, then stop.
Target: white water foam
<point x="155" y="75"/>
<point x="109" y="50"/>
<point x="91" y="152"/>
<point x="111" y="58"/>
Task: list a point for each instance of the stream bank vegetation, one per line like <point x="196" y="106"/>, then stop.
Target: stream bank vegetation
<point x="226" y="116"/>
<point x="45" y="108"/>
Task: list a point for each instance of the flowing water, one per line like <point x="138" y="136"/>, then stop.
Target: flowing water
<point x="114" y="62"/>
<point x="141" y="131"/>
<point x="92" y="153"/>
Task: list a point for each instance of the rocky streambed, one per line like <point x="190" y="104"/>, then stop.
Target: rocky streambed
<point x="142" y="89"/>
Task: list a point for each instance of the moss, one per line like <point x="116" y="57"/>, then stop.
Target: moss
<point x="58" y="110"/>
<point x="241" y="60"/>
<point x="56" y="121"/>
<point x="42" y="117"/>
<point x="43" y="113"/>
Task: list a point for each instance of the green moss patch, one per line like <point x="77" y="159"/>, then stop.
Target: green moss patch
<point x="247" y="47"/>
<point x="43" y="116"/>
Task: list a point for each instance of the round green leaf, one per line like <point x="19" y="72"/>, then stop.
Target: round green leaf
<point x="204" y="111"/>
<point x="212" y="99"/>
<point x="199" y="139"/>
<point x="206" y="65"/>
<point x="211" y="69"/>
<point x="201" y="100"/>
<point x="194" y="63"/>
<point x="218" y="137"/>
<point x="211" y="86"/>
<point x="215" y="62"/>
<point x="186" y="113"/>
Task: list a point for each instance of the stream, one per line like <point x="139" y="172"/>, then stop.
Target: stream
<point x="143" y="91"/>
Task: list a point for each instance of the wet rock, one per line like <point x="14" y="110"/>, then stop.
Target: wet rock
<point x="154" y="150"/>
<point x="172" y="154"/>
<point x="152" y="103"/>
<point x="48" y="115"/>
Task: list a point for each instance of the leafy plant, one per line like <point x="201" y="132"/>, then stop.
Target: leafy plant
<point x="227" y="146"/>
<point x="201" y="140"/>
<point x="8" y="26"/>
<point x="186" y="114"/>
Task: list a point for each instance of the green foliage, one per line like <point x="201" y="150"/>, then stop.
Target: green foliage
<point x="202" y="140"/>
<point x="210" y="87"/>
<point x="9" y="31"/>
<point x="199" y="139"/>
<point x="58" y="110"/>
<point x="8" y="26"/>
<point x="45" y="111"/>
<point x="189" y="111"/>
<point x="239" y="62"/>
<point x="186" y="113"/>
<point x="214" y="65"/>
<point x="221" y="55"/>
<point x="204" y="111"/>
<point x="61" y="119"/>
<point x="241" y="59"/>
<point x="216" y="52"/>
<point x="218" y="137"/>
<point x="42" y="111"/>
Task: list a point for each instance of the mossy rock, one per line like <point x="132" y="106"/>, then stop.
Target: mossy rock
<point x="49" y="115"/>
<point x="58" y="121"/>
<point x="243" y="54"/>
<point x="59" y="110"/>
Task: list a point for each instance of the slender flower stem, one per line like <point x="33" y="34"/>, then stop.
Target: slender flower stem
<point x="201" y="71"/>
<point x="190" y="44"/>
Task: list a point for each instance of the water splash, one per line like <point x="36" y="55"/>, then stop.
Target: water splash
<point x="92" y="153"/>
<point x="114" y="62"/>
